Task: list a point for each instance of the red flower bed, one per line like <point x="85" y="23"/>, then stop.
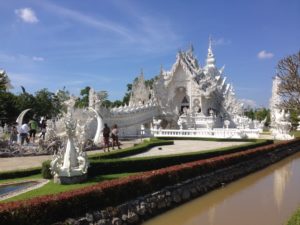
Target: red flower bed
<point x="50" y="208"/>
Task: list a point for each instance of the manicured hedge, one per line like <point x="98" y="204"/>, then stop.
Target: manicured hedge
<point x="208" y="139"/>
<point x="48" y="209"/>
<point x="20" y="173"/>
<point x="102" y="166"/>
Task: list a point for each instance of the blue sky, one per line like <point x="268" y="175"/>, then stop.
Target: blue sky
<point x="104" y="44"/>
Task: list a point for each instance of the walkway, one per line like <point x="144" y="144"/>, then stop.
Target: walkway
<point x="184" y="146"/>
<point x="180" y="146"/>
<point x="17" y="163"/>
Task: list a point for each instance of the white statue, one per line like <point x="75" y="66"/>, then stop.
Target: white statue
<point x="20" y="121"/>
<point x="180" y="123"/>
<point x="226" y="123"/>
<point x="71" y="167"/>
<point x="156" y="123"/>
<point x="98" y="136"/>
<point x="280" y="124"/>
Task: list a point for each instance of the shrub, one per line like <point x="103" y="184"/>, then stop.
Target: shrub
<point x="19" y="173"/>
<point x="46" y="172"/>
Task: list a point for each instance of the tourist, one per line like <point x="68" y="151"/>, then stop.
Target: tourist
<point x="114" y="136"/>
<point x="13" y="135"/>
<point x="33" y="125"/>
<point x="43" y="127"/>
<point x="24" y="133"/>
<point x="106" y="132"/>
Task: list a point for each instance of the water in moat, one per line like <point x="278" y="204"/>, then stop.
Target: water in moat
<point x="266" y="197"/>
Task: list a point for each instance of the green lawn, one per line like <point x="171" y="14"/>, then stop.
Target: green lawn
<point x="295" y="219"/>
<point x="52" y="188"/>
<point x="296" y="133"/>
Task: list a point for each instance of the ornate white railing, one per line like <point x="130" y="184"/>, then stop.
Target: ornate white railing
<point x="210" y="133"/>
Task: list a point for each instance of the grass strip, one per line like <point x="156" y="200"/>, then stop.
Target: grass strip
<point x="295" y="218"/>
<point x="53" y="188"/>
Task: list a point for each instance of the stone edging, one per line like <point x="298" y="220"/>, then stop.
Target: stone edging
<point x="148" y="206"/>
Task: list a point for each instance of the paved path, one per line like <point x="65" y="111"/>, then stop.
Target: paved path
<point x="180" y="146"/>
<point x="183" y="146"/>
<point x="16" y="163"/>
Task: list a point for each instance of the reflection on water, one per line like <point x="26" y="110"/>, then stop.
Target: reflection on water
<point x="281" y="179"/>
<point x="267" y="197"/>
<point x="211" y="214"/>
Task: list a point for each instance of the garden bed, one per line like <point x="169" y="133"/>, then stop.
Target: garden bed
<point x="51" y="208"/>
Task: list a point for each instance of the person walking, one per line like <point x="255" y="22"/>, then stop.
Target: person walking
<point x="24" y="129"/>
<point x="115" y="137"/>
<point x="43" y="127"/>
<point x="106" y="132"/>
<point x="33" y="125"/>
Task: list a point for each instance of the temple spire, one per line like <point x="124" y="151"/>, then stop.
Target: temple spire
<point x="210" y="61"/>
<point x="161" y="69"/>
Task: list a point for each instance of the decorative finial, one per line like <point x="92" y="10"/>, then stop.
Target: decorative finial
<point x="210" y="61"/>
<point x="142" y="72"/>
<point x="161" y="69"/>
<point x="191" y="47"/>
<point x="210" y="44"/>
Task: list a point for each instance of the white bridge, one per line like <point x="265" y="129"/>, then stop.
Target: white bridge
<point x="208" y="133"/>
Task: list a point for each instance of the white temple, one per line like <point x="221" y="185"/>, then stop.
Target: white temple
<point x="280" y="118"/>
<point x="188" y="97"/>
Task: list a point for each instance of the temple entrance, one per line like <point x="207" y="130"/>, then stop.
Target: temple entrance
<point x="185" y="105"/>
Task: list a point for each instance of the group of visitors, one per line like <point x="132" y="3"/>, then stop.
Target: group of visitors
<point x="28" y="131"/>
<point x="113" y="134"/>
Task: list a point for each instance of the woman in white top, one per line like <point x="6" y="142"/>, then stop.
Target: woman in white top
<point x="114" y="136"/>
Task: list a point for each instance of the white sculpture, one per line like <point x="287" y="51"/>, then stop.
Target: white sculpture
<point x="226" y="123"/>
<point x="98" y="136"/>
<point x="20" y="121"/>
<point x="71" y="167"/>
<point x="180" y="123"/>
<point x="298" y="128"/>
<point x="156" y="123"/>
<point x="280" y="124"/>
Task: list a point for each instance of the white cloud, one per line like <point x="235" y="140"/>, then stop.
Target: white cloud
<point x="265" y="55"/>
<point x="221" y="41"/>
<point x="146" y="32"/>
<point x="248" y="103"/>
<point x="38" y="59"/>
<point x="27" y="15"/>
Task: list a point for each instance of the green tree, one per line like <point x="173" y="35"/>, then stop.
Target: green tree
<point x="127" y="95"/>
<point x="8" y="108"/>
<point x="4" y="81"/>
<point x="60" y="96"/>
<point x="261" y="114"/>
<point x="46" y="104"/>
<point x="249" y="112"/>
<point x="83" y="101"/>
